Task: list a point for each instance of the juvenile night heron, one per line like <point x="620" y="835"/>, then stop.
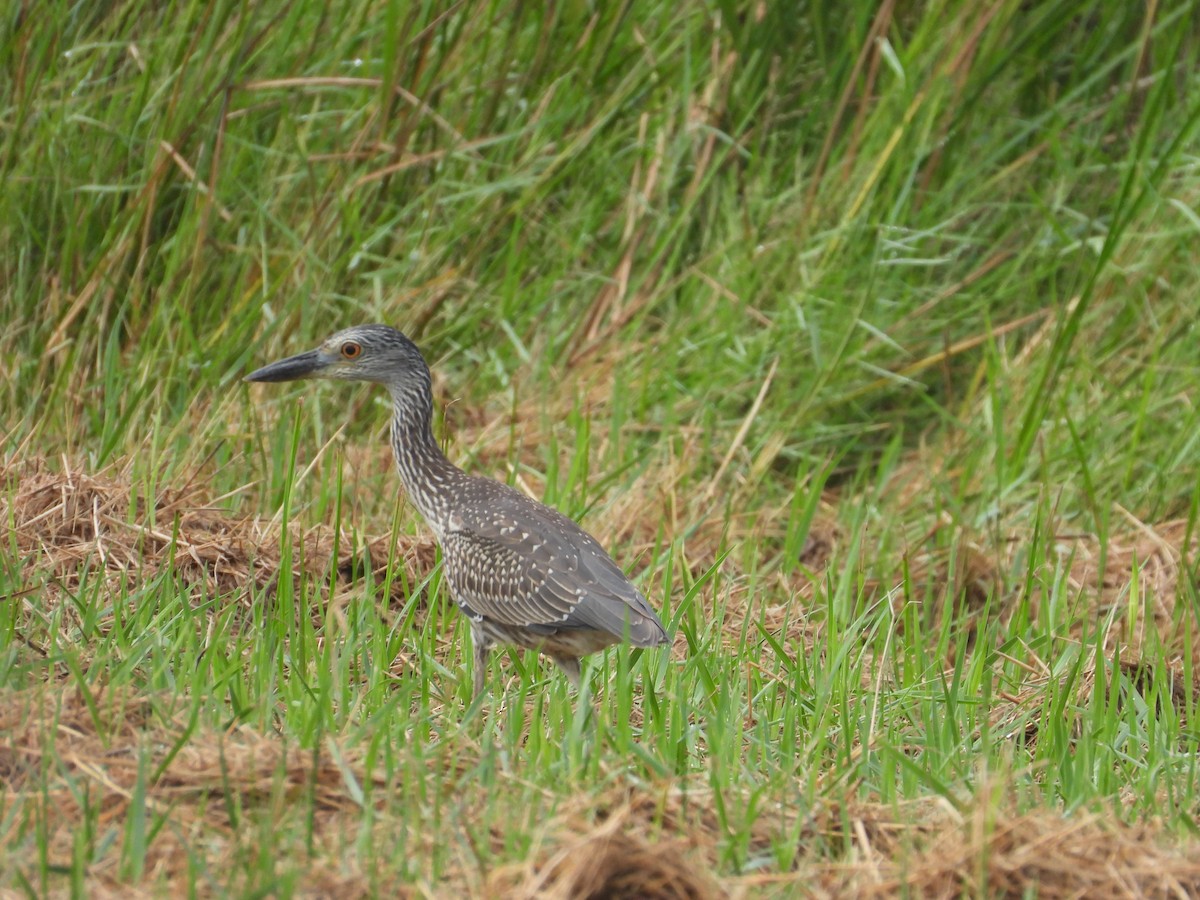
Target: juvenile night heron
<point x="522" y="572"/>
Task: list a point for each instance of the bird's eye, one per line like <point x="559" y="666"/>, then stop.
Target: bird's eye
<point x="351" y="350"/>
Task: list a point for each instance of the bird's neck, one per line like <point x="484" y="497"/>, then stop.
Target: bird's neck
<point x="427" y="474"/>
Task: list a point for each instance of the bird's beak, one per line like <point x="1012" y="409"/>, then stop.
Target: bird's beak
<point x="294" y="368"/>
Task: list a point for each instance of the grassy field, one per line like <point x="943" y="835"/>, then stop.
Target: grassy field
<point x="864" y="335"/>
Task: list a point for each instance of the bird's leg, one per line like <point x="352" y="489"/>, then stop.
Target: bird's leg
<point x="586" y="703"/>
<point x="571" y="668"/>
<point x="483" y="647"/>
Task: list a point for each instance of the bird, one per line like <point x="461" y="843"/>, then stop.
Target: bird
<point x="523" y="573"/>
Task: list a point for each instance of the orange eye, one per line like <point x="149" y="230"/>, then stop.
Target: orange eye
<point x="351" y="350"/>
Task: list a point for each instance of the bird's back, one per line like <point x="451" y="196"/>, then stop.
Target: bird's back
<point x="520" y="564"/>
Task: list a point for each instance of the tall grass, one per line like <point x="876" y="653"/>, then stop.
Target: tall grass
<point x="863" y="334"/>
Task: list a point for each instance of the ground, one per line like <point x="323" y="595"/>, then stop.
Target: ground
<point x="865" y="342"/>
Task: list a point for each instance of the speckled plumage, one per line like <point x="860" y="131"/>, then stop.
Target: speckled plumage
<point x="522" y="572"/>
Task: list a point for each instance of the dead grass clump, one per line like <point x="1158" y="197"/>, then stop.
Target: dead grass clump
<point x="1061" y="857"/>
<point x="105" y="736"/>
<point x="1020" y="716"/>
<point x="64" y="519"/>
<point x="608" y="860"/>
<point x="956" y="570"/>
<point x="657" y="847"/>
<point x="1155" y="556"/>
<point x="67" y="759"/>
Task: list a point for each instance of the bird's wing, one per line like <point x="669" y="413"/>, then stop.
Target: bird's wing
<point x="517" y="562"/>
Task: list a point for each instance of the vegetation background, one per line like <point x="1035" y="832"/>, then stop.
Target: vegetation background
<point x="863" y="333"/>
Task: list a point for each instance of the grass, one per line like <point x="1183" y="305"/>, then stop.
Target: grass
<point x="864" y="339"/>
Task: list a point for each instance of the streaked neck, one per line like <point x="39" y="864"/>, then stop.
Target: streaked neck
<point x="428" y="476"/>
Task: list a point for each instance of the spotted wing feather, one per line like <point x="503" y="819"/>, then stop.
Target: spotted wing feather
<point x="517" y="562"/>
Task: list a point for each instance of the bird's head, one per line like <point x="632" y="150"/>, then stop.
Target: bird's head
<point x="373" y="353"/>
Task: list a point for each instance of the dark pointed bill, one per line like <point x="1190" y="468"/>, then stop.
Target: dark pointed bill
<point x="294" y="368"/>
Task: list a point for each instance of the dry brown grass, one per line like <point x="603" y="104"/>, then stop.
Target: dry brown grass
<point x="60" y="749"/>
<point x="664" y="842"/>
<point x="930" y="850"/>
<point x="996" y="853"/>
<point x="67" y="521"/>
<point x="611" y="859"/>
<point x="660" y="844"/>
